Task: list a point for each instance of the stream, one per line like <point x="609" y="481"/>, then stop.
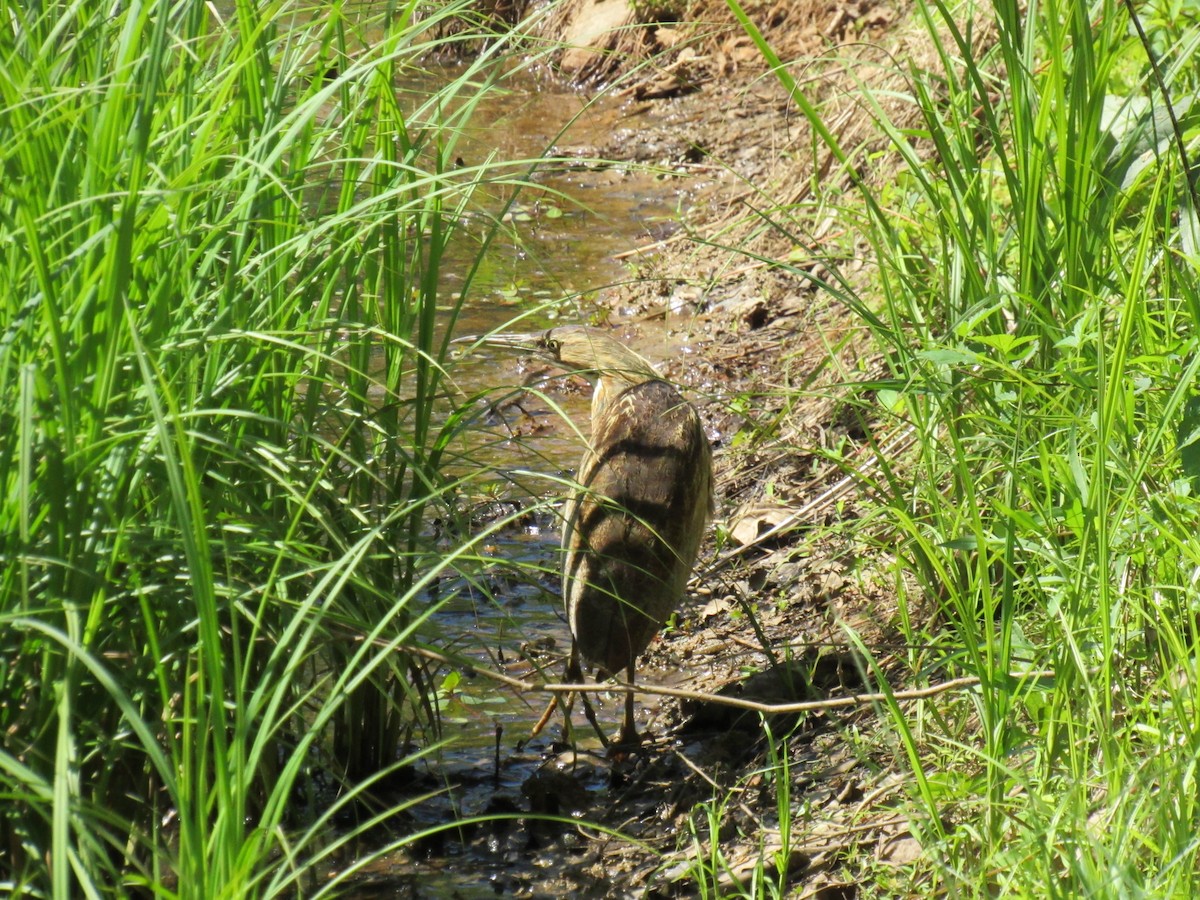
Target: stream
<point x="557" y="250"/>
<point x="545" y="270"/>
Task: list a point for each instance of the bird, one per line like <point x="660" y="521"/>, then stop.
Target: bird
<point x="633" y="525"/>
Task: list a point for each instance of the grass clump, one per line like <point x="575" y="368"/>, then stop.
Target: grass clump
<point x="223" y="237"/>
<point x="1036" y="309"/>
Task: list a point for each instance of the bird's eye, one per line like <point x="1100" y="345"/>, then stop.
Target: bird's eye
<point x="552" y="346"/>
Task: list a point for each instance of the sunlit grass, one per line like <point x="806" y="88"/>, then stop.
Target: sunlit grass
<point x="224" y="426"/>
<point x="1035" y="301"/>
<point x="222" y="366"/>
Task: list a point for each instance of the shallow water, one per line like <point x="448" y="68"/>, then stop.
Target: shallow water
<point x="563" y="256"/>
<point x="556" y="251"/>
<point x="569" y="254"/>
<point x="547" y="268"/>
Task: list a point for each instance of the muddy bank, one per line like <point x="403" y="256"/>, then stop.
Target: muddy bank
<point x="810" y="802"/>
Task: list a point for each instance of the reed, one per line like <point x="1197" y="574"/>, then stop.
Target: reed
<point x="224" y="419"/>
<point x="1035" y="300"/>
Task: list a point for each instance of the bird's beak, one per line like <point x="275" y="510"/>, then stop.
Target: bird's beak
<point x="519" y="343"/>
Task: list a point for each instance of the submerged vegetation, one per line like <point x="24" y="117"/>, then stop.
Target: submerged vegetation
<point x="223" y="390"/>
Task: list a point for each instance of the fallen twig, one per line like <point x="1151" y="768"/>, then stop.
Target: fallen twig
<point x="661" y="690"/>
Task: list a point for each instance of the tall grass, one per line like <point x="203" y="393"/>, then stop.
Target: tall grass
<point x="220" y="366"/>
<point x="1038" y="307"/>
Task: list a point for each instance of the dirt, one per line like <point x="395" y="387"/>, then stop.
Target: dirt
<point x="765" y="351"/>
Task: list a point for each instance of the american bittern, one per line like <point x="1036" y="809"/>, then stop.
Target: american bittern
<point x="633" y="526"/>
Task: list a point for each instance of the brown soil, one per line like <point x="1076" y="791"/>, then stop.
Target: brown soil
<point x="771" y="351"/>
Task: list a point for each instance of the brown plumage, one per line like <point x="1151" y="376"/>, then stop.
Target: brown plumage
<point x="634" y="525"/>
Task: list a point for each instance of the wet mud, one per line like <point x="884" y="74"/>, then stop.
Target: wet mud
<point x="808" y="800"/>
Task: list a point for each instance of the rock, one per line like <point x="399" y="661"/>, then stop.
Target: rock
<point x="591" y="31"/>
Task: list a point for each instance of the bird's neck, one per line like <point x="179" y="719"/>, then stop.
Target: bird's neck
<point x="608" y="388"/>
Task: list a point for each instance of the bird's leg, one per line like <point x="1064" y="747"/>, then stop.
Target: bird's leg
<point x="575" y="676"/>
<point x="629" y="736"/>
<point x="571" y="675"/>
<point x="566" y="701"/>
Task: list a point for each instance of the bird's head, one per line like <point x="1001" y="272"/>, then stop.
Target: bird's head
<point x="575" y="348"/>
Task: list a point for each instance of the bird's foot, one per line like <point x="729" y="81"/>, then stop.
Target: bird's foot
<point x="625" y="743"/>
